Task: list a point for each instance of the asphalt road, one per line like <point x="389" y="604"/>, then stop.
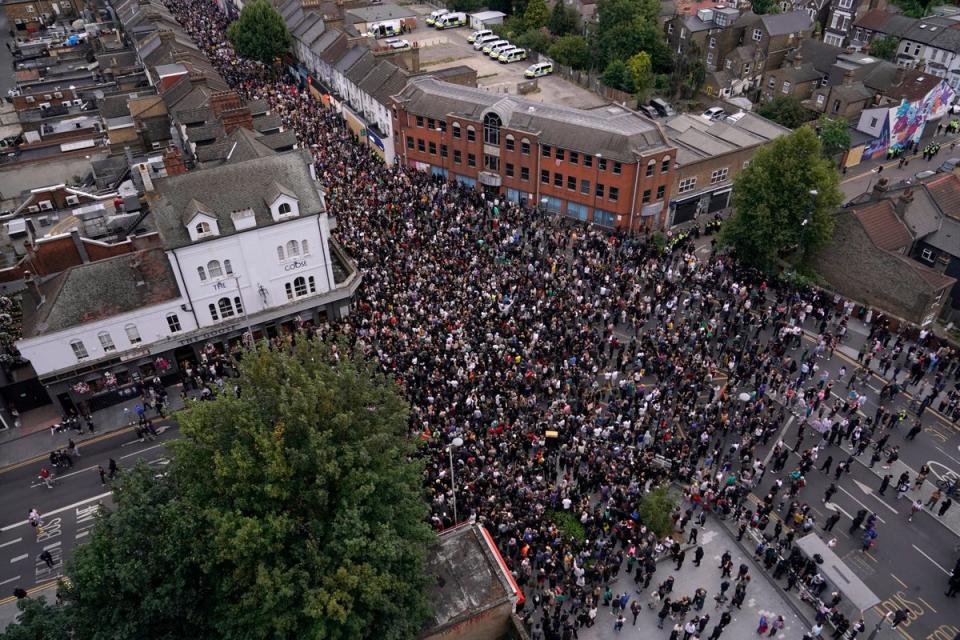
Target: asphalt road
<point x="68" y="509"/>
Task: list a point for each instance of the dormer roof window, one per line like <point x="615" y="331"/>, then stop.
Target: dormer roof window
<point x="199" y="221"/>
<point x="282" y="202"/>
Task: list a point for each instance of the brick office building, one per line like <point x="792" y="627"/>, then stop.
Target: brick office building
<point x="610" y="165"/>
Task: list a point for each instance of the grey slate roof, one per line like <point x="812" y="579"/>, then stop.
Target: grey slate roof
<point x="280" y="140"/>
<point x="258" y="107"/>
<point x="393" y="85"/>
<point x="818" y="53"/>
<point x="380" y="12"/>
<point x="241" y="145"/>
<point x="349" y="58"/>
<point x="271" y="122"/>
<point x="361" y="67"/>
<point x="235" y="186"/>
<point x="697" y="139"/>
<point x="778" y="24"/>
<point x="101" y="289"/>
<point x="805" y="73"/>
<point x="617" y="133"/>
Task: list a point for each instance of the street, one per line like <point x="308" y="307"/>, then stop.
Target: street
<point x="68" y="510"/>
<point x="854" y="185"/>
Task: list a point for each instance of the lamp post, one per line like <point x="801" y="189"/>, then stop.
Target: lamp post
<point x="456" y="442"/>
<point x="807" y="218"/>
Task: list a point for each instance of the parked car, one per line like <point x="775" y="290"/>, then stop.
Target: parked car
<point x="662" y="107"/>
<point x="714" y="113"/>
<point x="948" y="165"/>
<point x="648" y="111"/>
<point x="398" y="44"/>
<point x="493" y="43"/>
<point x="538" y="70"/>
<point x="926" y="173"/>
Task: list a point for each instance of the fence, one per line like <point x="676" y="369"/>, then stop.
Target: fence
<point x="591" y="80"/>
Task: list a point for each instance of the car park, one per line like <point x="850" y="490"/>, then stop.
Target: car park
<point x="478" y="34"/>
<point x="662" y="107"/>
<point x="480" y="42"/>
<point x="538" y="70"/>
<point x="948" y="165"/>
<point x="487" y="48"/>
<point x="512" y="55"/>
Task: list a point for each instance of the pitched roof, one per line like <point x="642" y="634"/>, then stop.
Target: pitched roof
<point x="239" y="145"/>
<point x="945" y="191"/>
<point x="234" y="186"/>
<point x="193" y="209"/>
<point x="780" y="24"/>
<point x="881" y="223"/>
<point x="101" y="289"/>
<point x="818" y="53"/>
<point x="874" y="20"/>
<point x="915" y="86"/>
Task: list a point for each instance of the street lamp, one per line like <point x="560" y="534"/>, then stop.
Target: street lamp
<point x="457" y="442"/>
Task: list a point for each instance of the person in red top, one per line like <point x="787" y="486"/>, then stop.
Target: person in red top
<point x="45" y="476"/>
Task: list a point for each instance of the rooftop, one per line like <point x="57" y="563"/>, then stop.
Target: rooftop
<point x="945" y="191"/>
<point x="697" y="139"/>
<point x="380" y="12"/>
<point x="881" y="223"/>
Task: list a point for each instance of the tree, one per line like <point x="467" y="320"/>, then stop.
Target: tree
<point x="761" y="7"/>
<point x="294" y="510"/>
<point x="626" y="27"/>
<point x="617" y="76"/>
<point x="563" y="20"/>
<point x="38" y="620"/>
<point x="834" y="136"/>
<point x="641" y="72"/>
<point x="656" y="509"/>
<point x="536" y="14"/>
<point x="571" y="51"/>
<point x="689" y="72"/>
<point x="786" y="111"/>
<point x="259" y="33"/>
<point x="774" y="209"/>
<point x="884" y="47"/>
<point x="533" y="39"/>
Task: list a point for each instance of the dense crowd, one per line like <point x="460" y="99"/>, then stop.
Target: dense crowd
<point x="502" y="324"/>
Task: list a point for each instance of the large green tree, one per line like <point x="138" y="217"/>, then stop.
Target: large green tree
<point x="291" y="511"/>
<point x="884" y="47"/>
<point x="786" y="111"/>
<point x="571" y="51"/>
<point x="834" y="136"/>
<point x="259" y="33"/>
<point x="536" y="14"/>
<point x="563" y="20"/>
<point x="775" y="211"/>
<point x="641" y="72"/>
<point x="627" y="27"/>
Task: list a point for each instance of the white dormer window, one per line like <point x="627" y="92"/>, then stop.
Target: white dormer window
<point x="199" y="222"/>
<point x="203" y="228"/>
<point x="284" y="209"/>
<point x="282" y="202"/>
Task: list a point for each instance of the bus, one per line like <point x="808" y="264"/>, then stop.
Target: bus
<point x="451" y="20"/>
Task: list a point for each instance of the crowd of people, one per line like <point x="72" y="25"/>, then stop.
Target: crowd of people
<point x="580" y="368"/>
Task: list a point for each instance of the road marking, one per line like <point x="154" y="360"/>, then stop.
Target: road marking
<point x="900" y="581"/>
<point x="868" y="491"/>
<point x="51" y="546"/>
<point x="854" y="498"/>
<point x="19" y="558"/>
<point x="87" y="532"/>
<point x="10" y="542"/>
<point x="61" y="476"/>
<point x="920" y="551"/>
<point x="833" y="506"/>
<point x="142" y="450"/>
<point x="56" y="511"/>
<point x="94" y="440"/>
<point x="926" y="603"/>
<point x="9" y="580"/>
<point x="948" y="455"/>
<point x="31" y="591"/>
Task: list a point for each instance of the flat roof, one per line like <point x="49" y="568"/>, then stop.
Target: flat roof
<point x="381" y="12"/>
<point x="839" y="575"/>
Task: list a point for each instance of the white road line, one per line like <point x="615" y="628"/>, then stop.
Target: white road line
<point x="10" y="542"/>
<point x="920" y="551"/>
<point x="82" y="534"/>
<point x="9" y="580"/>
<point x="854" y="498"/>
<point x="61" y="476"/>
<point x="142" y="450"/>
<point x="51" y="546"/>
<point x="60" y="510"/>
<point x="19" y="558"/>
<point x="948" y="455"/>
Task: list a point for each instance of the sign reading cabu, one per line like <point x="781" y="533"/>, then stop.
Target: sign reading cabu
<point x="296" y="264"/>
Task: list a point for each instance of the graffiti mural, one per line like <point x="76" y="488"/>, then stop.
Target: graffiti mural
<point x="878" y="146"/>
<point x="905" y="123"/>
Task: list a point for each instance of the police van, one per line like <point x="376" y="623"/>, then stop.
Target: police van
<point x="435" y="15"/>
<point x="512" y="55"/>
<point x="497" y="49"/>
<point x="451" y="20"/>
<point x="539" y="70"/>
<point x="487" y="48"/>
<point x="482" y="41"/>
<point x="478" y="34"/>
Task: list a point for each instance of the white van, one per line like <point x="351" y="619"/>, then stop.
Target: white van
<point x="478" y="34"/>
<point x="451" y="20"/>
<point x="539" y="70"/>
<point x="482" y="41"/>
<point x="487" y="48"/>
<point x="512" y="55"/>
<point x="435" y="15"/>
<point x="497" y="49"/>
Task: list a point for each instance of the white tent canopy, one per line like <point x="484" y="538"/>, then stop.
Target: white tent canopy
<point x="838" y="574"/>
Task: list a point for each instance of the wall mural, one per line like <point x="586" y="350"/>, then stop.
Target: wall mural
<point x="905" y="123"/>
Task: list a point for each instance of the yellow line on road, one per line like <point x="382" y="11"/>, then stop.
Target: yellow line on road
<point x="31" y="591"/>
<point x="100" y="438"/>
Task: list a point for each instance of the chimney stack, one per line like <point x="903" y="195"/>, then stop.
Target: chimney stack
<point x="798" y="60"/>
<point x="144" y="169"/>
<point x="848" y="77"/>
<point x="173" y="162"/>
<point x="903" y="202"/>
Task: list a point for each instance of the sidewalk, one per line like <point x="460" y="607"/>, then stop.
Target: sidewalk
<point x="26" y="444"/>
<point x="9" y="611"/>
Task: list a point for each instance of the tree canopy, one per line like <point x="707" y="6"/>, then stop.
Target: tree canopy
<point x="291" y="511"/>
<point x="627" y="27"/>
<point x="572" y="51"/>
<point x="884" y="47"/>
<point x="834" y="136"/>
<point x="564" y="20"/>
<point x="259" y="33"/>
<point x="786" y="111"/>
<point x="774" y="209"/>
<point x="536" y="14"/>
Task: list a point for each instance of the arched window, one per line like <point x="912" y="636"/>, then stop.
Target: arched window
<point x="289" y="289"/>
<point x="202" y="273"/>
<point x="665" y="164"/>
<point x="293" y="248"/>
<point x="491" y="128"/>
<point x="284" y="208"/>
<point x="304" y="249"/>
<point x="225" y="306"/>
<point x="280" y="255"/>
<point x="651" y="167"/>
<point x="132" y="334"/>
<point x="510" y="142"/>
<point x="238" y="304"/>
<point x="214" y="269"/>
<point x="313" y="284"/>
<point x="202" y="228"/>
<point x="300" y="286"/>
<point x="106" y="341"/>
<point x="456" y="129"/>
<point x="213" y="311"/>
<point x="471" y="133"/>
<point x="227" y="267"/>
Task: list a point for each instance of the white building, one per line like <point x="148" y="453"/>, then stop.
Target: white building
<point x="243" y="246"/>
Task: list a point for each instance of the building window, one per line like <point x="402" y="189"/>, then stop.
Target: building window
<point x="443" y="126"/>
<point x="713" y="43"/>
<point x="457" y="156"/>
<point x="718" y="176"/>
<point x="421" y="145"/>
<point x="491" y="163"/>
<point x="598" y="192"/>
<point x="771" y="82"/>
<point x="78" y="349"/>
<point x="106" y="341"/>
<point x="227" y="268"/>
<point x="284" y="208"/>
<point x="687" y="184"/>
<point x="665" y="164"/>
<point x="173" y="322"/>
<point x="443" y="151"/>
<point x="313" y="284"/>
<point x="873" y="122"/>
<point x="572" y="183"/>
<point x="214" y="269"/>
<point x="617" y="168"/>
<point x="525" y="173"/>
<point x="456" y="129"/>
<point x="300" y="286"/>
<point x="410" y="143"/>
<point x="557" y="179"/>
<point x="585" y="187"/>
<point x="821" y="99"/>
<point x="546" y="151"/>
<point x="545" y="176"/>
<point x="511" y="143"/>
<point x="786" y="86"/>
<point x="601" y="164"/>
<point x="661" y="190"/>
<point x="225" y="306"/>
<point x="432" y="146"/>
<point x="613" y="194"/>
<point x="202" y="273"/>
<point x="491" y="129"/>
<point x="709" y="57"/>
<point x="525" y="146"/>
<point x="132" y="334"/>
<point x="202" y="228"/>
<point x="471" y="160"/>
<point x="646" y="196"/>
<point x="574" y="157"/>
<point x="927" y="254"/>
<point x="509" y="170"/>
<point x="420" y="121"/>
<point x="471" y="133"/>
<point x="560" y="154"/>
<point x="238" y="303"/>
<point x="670" y="28"/>
<point x="651" y="167"/>
<point x="289" y="289"/>
<point x="293" y="249"/>
<point x="757" y="35"/>
<point x="587" y="160"/>
<point x="431" y="123"/>
<point x="213" y="311"/>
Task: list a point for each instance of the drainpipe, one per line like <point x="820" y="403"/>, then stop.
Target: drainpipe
<point x="186" y="289"/>
<point x="633" y="200"/>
